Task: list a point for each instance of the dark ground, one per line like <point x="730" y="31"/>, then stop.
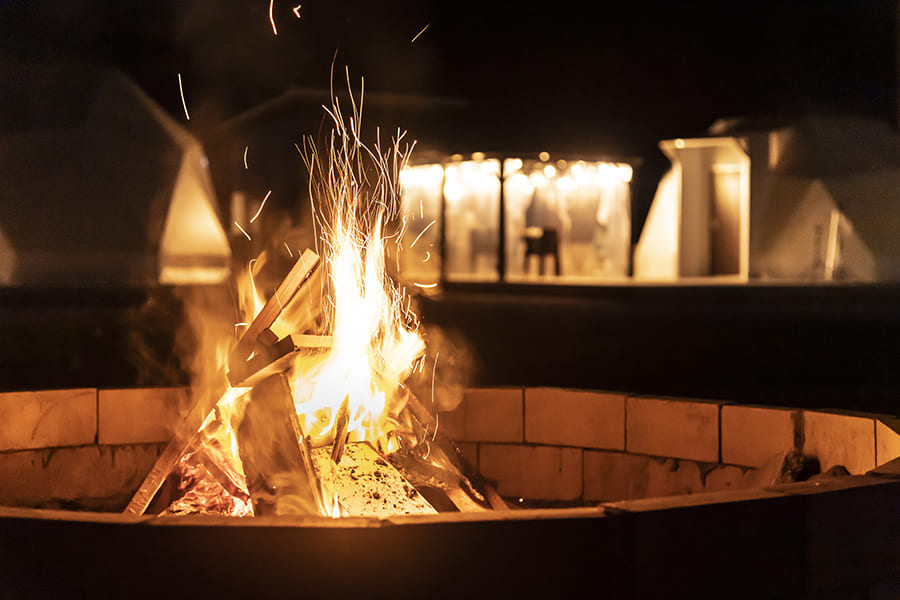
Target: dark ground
<point x="831" y="346"/>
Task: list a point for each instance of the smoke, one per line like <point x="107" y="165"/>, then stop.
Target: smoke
<point x="202" y="340"/>
<point x="447" y="371"/>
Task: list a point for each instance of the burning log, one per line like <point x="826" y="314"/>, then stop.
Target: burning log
<point x="274" y="356"/>
<point x="275" y="454"/>
<point x="187" y="435"/>
<point x="367" y="485"/>
<point x="273" y="308"/>
<point x="341" y="432"/>
<point x="470" y="477"/>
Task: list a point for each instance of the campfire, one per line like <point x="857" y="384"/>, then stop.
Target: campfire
<point x="311" y="409"/>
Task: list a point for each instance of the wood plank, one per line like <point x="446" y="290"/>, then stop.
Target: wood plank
<point x="277" y="465"/>
<point x="367" y="485"/>
<point x="273" y="307"/>
<point x="472" y="476"/>
<point x="186" y="435"/>
<point x="269" y="359"/>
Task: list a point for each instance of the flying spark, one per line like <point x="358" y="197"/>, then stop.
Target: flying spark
<point x="245" y="157"/>
<point x="427" y="256"/>
<point x="288" y="248"/>
<point x="261" y="204"/>
<point x="418" y="34"/>
<point x="296" y="10"/>
<point x="271" y="18"/>
<point x="247" y="235"/>
<point x="433" y="371"/>
<point x="425" y="285"/>
<point x="183" y="103"/>
<point x="422" y="233"/>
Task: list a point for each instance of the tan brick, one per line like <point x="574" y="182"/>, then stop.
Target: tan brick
<point x="751" y="435"/>
<point x="673" y="477"/>
<point x="837" y="439"/>
<point x="96" y="473"/>
<point x="140" y="416"/>
<point x="610" y="476"/>
<point x="493" y="415"/>
<point x="673" y="428"/>
<point x="887" y="440"/>
<point x="575" y="418"/>
<point x="45" y="419"/>
<point x="23" y="477"/>
<point x="727" y="477"/>
<point x="533" y="472"/>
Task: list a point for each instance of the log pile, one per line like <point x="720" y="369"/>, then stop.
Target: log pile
<point x="280" y="473"/>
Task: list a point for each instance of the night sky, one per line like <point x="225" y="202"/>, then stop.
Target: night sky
<point x="565" y="76"/>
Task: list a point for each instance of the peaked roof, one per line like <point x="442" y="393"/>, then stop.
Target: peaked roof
<point x="90" y="163"/>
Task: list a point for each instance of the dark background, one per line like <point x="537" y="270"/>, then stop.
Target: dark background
<point x="566" y="76"/>
<point x="577" y="77"/>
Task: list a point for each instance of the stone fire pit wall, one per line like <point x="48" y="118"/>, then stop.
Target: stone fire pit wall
<point x="90" y="449"/>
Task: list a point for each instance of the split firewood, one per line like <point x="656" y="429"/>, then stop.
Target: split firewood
<point x="273" y="307"/>
<point x="472" y="478"/>
<point x="366" y="484"/>
<point x="273" y="356"/>
<point x="341" y="431"/>
<point x="187" y="434"/>
<point x="275" y="453"/>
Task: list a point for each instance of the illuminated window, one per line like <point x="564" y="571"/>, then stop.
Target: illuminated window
<point x="472" y="216"/>
<point x="567" y="223"/>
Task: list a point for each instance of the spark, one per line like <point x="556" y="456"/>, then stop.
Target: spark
<point x="298" y="148"/>
<point x="425" y="285"/>
<point x="288" y="248"/>
<point x="418" y="34"/>
<point x="428" y="446"/>
<point x="427" y="227"/>
<point x="296" y="10"/>
<point x="421" y="210"/>
<point x="245" y="157"/>
<point x="433" y="372"/>
<point x="271" y="18"/>
<point x="183" y="103"/>
<point x="427" y="256"/>
<point x="247" y="235"/>
<point x="261" y="205"/>
<point x="437" y="421"/>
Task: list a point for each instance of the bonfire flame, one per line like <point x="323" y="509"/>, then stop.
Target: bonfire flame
<point x="375" y="339"/>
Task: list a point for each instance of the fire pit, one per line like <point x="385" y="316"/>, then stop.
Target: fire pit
<point x="309" y="422"/>
<point x="648" y="495"/>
